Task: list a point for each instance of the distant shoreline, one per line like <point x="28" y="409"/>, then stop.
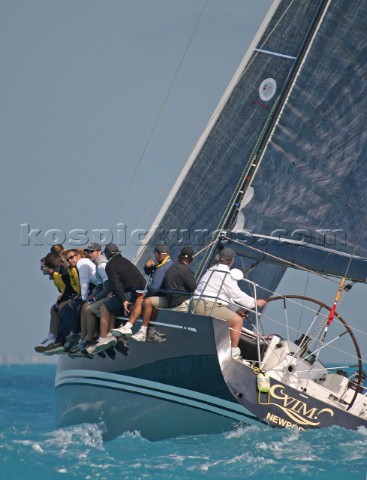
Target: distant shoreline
<point x="36" y="359"/>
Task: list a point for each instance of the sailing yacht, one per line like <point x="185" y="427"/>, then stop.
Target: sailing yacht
<point x="278" y="176"/>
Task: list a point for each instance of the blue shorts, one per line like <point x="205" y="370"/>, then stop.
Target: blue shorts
<point x="114" y="305"/>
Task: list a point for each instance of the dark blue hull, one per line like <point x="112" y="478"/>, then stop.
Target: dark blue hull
<point x="187" y="385"/>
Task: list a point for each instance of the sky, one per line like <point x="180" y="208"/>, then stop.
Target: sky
<point x="101" y="105"/>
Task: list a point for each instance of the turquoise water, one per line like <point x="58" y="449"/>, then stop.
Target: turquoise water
<point x="31" y="447"/>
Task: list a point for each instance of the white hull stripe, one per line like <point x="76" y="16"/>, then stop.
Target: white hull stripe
<point x="157" y="390"/>
<point x="275" y="54"/>
<point x="162" y="324"/>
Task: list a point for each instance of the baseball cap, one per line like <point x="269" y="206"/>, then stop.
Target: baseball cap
<point x="187" y="251"/>
<point x="93" y="246"/>
<point x="161" y="249"/>
<point x="111" y="248"/>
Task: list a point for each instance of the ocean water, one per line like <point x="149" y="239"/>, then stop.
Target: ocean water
<point x="32" y="448"/>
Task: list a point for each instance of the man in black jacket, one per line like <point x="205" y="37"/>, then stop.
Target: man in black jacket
<point x="180" y="278"/>
<point x="126" y="284"/>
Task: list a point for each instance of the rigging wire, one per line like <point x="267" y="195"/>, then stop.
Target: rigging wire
<point x="305" y="292"/>
<point x="313" y="337"/>
<point x="154" y="126"/>
<point x="305" y="308"/>
<point x="341" y="285"/>
<point x="154" y="202"/>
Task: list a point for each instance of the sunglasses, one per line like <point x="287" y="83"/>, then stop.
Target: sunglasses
<point x="90" y="251"/>
<point x="71" y="257"/>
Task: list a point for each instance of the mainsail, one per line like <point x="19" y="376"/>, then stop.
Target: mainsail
<point x="290" y="127"/>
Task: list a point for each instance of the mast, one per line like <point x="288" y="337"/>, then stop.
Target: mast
<point x="257" y="156"/>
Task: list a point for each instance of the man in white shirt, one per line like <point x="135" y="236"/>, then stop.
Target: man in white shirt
<point x="217" y="292"/>
<point x="102" y="289"/>
<point x="91" y="308"/>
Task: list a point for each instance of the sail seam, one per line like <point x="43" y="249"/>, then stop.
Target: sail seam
<point x="275" y="54"/>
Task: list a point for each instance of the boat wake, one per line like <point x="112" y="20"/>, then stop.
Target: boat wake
<point x="246" y="452"/>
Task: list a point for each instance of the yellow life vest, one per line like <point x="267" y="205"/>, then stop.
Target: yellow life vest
<point x="59" y="283"/>
<point x="74" y="279"/>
